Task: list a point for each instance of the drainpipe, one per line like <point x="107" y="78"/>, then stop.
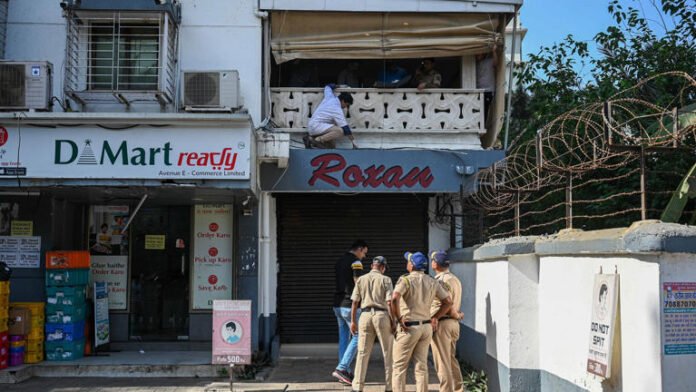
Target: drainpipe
<point x="266" y="65"/>
<point x="512" y="67"/>
<point x="264" y="264"/>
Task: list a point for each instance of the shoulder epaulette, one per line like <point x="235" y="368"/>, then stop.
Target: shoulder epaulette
<point x="446" y="286"/>
<point x="404" y="277"/>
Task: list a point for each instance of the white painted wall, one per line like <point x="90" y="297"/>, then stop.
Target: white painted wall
<point x="565" y="295"/>
<point x="214" y="35"/>
<point x="678" y="373"/>
<point x="499" y="301"/>
<point x="523" y="283"/>
<point x="36" y="32"/>
<point x="485" y="303"/>
<point x="220" y="35"/>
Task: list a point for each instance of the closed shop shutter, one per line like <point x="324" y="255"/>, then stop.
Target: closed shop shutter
<point x="315" y="230"/>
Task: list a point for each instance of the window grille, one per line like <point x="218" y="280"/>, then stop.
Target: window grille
<point x="125" y="54"/>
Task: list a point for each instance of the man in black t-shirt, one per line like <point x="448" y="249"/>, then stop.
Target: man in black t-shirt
<point x="348" y="269"/>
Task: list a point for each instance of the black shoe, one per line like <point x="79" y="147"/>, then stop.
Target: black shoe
<point x="306" y="139"/>
<point x="342" y="377"/>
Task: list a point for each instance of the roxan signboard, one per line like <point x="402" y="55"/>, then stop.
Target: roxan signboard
<point x="367" y="170"/>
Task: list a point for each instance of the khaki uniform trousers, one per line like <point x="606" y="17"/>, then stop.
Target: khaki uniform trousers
<point x="444" y="355"/>
<point x="328" y="138"/>
<point x="414" y="342"/>
<point x="373" y="324"/>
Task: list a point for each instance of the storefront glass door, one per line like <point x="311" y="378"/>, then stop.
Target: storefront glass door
<point x="160" y="274"/>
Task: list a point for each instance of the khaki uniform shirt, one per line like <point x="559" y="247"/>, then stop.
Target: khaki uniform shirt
<point x="453" y="286"/>
<point x="418" y="290"/>
<point x="432" y="78"/>
<point x="373" y="290"/>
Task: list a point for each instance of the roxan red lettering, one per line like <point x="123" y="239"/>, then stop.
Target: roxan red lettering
<point x="324" y="163"/>
<point x="331" y="169"/>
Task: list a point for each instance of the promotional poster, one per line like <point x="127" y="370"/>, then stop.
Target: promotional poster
<point x="231" y="332"/>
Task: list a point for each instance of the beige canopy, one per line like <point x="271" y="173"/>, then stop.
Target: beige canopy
<point x="335" y="35"/>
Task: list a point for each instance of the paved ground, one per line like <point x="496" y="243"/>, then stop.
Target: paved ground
<point x="293" y="374"/>
<point x="301" y="368"/>
<point x="118" y="384"/>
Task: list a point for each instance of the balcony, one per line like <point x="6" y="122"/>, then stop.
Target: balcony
<point x="391" y="118"/>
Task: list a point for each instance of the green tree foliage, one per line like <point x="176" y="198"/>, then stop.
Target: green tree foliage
<point x="565" y="76"/>
<point x="630" y="50"/>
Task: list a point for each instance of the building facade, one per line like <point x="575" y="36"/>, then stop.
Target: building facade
<point x="132" y="133"/>
<point x="419" y="149"/>
<point x="132" y="128"/>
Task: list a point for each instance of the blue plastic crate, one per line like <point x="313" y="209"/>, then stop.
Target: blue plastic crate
<point x="65" y="351"/>
<point x="65" y="314"/>
<point x="66" y="295"/>
<point x="65" y="332"/>
<point x="67" y="277"/>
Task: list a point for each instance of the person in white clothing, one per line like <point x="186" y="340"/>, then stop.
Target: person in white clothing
<point x="328" y="122"/>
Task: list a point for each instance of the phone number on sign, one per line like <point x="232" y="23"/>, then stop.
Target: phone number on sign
<point x="680" y="304"/>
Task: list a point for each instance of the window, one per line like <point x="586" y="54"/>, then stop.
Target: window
<point x="121" y="57"/>
<point x="124" y="57"/>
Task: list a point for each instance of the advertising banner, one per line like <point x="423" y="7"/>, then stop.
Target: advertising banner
<point x="679" y="318"/>
<point x="113" y="271"/>
<point x="101" y="314"/>
<point x="212" y="255"/>
<point x="137" y="153"/>
<point x="605" y="297"/>
<point x="231" y="332"/>
<point x="20" y="252"/>
<point x="109" y="252"/>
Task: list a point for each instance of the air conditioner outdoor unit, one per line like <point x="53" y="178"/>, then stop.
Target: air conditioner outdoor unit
<point x="210" y="90"/>
<point x="25" y="85"/>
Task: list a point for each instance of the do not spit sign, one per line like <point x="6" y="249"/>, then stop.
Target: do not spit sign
<point x="604" y="300"/>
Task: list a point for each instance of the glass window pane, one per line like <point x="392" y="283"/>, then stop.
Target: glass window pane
<point x="133" y="64"/>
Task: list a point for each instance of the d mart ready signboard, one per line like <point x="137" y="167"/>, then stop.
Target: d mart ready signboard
<point x="140" y="152"/>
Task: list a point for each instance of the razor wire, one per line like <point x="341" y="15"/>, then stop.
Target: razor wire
<point x="541" y="185"/>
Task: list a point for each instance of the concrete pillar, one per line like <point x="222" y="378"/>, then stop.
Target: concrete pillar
<point x="523" y="281"/>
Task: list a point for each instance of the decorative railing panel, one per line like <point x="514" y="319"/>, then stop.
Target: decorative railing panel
<point x="387" y="109"/>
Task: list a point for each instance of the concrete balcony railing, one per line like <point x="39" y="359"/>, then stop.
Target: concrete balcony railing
<point x="391" y="118"/>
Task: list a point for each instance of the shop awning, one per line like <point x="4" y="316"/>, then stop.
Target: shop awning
<point x="337" y="35"/>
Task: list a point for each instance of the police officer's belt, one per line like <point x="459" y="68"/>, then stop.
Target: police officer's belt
<point x="370" y="308"/>
<point x="445" y="318"/>
<point x="412" y="323"/>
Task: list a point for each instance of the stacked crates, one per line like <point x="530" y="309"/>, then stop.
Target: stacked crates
<point x="67" y="276"/>
<point x="34" y="347"/>
<point x="4" y="316"/>
<point x="17" y="348"/>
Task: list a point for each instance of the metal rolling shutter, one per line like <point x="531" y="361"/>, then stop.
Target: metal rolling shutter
<point x="315" y="230"/>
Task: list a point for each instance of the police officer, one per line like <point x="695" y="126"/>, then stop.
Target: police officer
<point x="373" y="293"/>
<point x="445" y="338"/>
<point x="413" y="295"/>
